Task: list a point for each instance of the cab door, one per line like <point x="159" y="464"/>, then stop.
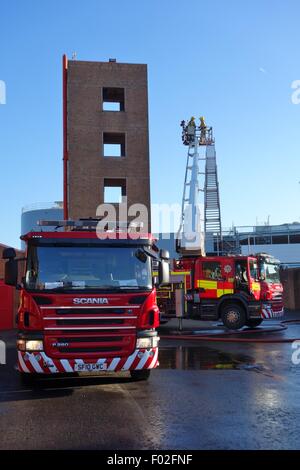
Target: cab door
<point x="252" y="273"/>
<point x="227" y="277"/>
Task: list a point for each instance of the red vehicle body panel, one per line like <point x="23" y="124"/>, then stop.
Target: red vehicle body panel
<point x="94" y="328"/>
<point x="6" y="306"/>
<point x="189" y="274"/>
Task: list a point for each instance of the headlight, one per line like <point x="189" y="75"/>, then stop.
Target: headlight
<point x="147" y="343"/>
<point x="30" y="345"/>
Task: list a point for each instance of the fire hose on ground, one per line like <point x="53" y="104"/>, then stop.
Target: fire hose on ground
<point x="215" y="338"/>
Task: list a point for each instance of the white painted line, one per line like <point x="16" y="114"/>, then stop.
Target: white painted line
<point x="152" y="364"/>
<point x="22" y="363"/>
<point x="66" y="365"/>
<point x="50" y="363"/>
<point x="143" y="360"/>
<point x="35" y="364"/>
<point x="114" y="363"/>
<point x="130" y="360"/>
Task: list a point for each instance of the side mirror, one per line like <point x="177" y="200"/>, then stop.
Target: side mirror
<point x="11" y="272"/>
<point x="164" y="268"/>
<point x="9" y="253"/>
<point x="164" y="254"/>
<point x="163" y="273"/>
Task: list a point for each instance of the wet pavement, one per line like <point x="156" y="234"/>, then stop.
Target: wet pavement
<point x="204" y="395"/>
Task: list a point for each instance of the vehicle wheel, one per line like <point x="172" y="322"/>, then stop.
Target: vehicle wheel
<point x="233" y="316"/>
<point x="253" y="322"/>
<point x="140" y="374"/>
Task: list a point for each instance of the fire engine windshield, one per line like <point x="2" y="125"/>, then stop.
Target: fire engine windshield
<point x="86" y="267"/>
<point x="270" y="272"/>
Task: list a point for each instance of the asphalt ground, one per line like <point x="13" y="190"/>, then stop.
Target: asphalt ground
<point x="204" y="395"/>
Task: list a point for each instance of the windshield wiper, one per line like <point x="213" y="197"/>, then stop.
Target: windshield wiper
<point x="129" y="287"/>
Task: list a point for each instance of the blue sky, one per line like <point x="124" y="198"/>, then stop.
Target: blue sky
<point x="233" y="62"/>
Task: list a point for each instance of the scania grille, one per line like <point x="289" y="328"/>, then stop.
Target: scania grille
<point x="90" y="321"/>
<point x="108" y="344"/>
<point x="82" y="331"/>
<point x="277" y="301"/>
<point x="91" y="339"/>
<point x="79" y="323"/>
<point x="89" y="318"/>
<point x="91" y="311"/>
<point x="96" y="349"/>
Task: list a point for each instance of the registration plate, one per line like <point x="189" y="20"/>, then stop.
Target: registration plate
<point x="83" y="367"/>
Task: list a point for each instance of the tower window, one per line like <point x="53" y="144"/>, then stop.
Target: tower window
<point x="113" y="99"/>
<point x="113" y="144"/>
<point x="114" y="189"/>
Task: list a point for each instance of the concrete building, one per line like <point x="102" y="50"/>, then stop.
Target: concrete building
<point x="32" y="213"/>
<point x="39" y="211"/>
<point x="281" y="241"/>
<point x="106" y="135"/>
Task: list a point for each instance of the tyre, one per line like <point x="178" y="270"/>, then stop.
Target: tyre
<point x="233" y="316"/>
<point x="254" y="322"/>
<point x="140" y="374"/>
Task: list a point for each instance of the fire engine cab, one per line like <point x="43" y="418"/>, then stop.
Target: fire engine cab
<point x="87" y="304"/>
<point x="240" y="290"/>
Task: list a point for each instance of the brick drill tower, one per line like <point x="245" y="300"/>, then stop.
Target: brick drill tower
<point x="106" y="148"/>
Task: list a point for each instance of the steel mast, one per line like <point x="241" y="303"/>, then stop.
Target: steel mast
<point x="190" y="237"/>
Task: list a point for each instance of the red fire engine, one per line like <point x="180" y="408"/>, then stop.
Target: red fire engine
<point x="87" y="304"/>
<point x="240" y="290"/>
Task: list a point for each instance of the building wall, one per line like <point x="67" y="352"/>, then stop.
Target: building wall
<point x="286" y="253"/>
<point x="291" y="288"/>
<point x="86" y="123"/>
<point x="30" y="217"/>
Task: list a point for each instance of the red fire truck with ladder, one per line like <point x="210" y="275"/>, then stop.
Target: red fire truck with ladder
<point x="87" y="303"/>
<point x="239" y="290"/>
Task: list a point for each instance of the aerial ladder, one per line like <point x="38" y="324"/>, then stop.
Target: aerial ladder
<point x="192" y="238"/>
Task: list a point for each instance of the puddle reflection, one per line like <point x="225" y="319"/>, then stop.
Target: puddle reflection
<point x="184" y="358"/>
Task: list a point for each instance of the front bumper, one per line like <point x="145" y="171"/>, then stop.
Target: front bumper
<point x="38" y="362"/>
<point x="268" y="311"/>
<point x="265" y="310"/>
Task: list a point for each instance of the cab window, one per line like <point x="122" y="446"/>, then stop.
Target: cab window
<point x="241" y="271"/>
<point x="253" y="269"/>
<point x="212" y="270"/>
